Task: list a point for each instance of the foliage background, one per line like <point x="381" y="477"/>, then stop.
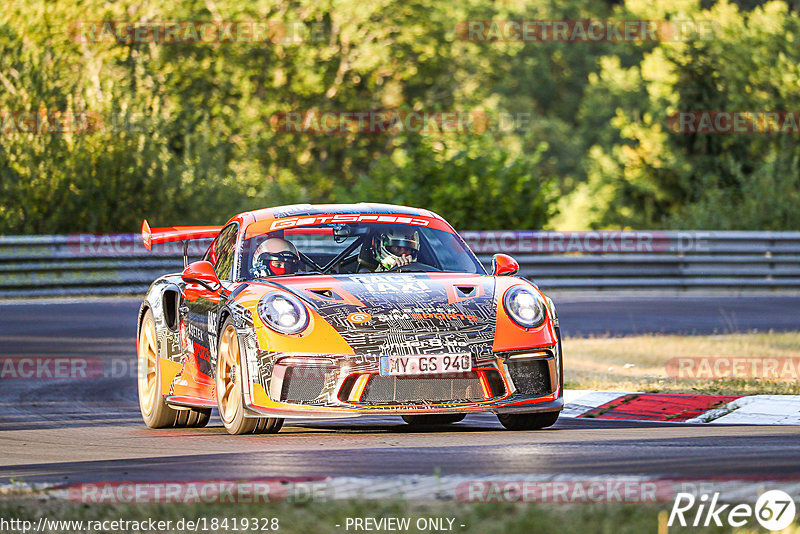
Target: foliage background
<point x="187" y="135"/>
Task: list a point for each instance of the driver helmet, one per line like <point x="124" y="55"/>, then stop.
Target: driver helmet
<point x="275" y="256"/>
<point x="392" y="246"/>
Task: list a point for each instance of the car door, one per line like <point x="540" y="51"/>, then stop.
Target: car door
<point x="199" y="313"/>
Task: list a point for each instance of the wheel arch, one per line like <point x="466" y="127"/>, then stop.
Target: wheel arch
<point x="143" y="309"/>
<point x="224" y="314"/>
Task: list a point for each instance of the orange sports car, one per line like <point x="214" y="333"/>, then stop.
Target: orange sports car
<point x="333" y="311"/>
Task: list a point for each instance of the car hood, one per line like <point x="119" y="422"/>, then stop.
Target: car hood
<point x="404" y="313"/>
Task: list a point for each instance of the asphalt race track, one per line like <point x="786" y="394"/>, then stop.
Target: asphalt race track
<point x="69" y="431"/>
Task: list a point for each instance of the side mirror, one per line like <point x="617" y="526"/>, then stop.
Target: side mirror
<point x="504" y="265"/>
<point x="201" y="272"/>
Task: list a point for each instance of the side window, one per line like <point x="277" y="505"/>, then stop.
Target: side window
<point x="223" y="251"/>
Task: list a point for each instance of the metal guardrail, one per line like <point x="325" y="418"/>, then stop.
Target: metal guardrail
<point x="119" y="263"/>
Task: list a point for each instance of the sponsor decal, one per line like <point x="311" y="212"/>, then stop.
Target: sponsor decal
<point x="292" y="222"/>
<point x="443" y="315"/>
<point x="388" y="287"/>
<point x="407" y="315"/>
<point x="391" y="283"/>
<point x="393" y="315"/>
<point x="359" y="317"/>
<point x="201" y="352"/>
<point x="195" y="331"/>
<point x="427" y="343"/>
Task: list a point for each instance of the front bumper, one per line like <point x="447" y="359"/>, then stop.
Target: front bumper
<point x="335" y="386"/>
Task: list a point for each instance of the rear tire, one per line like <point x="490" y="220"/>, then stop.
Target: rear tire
<point x="193" y="418"/>
<point x="229" y="389"/>
<point x="528" y="421"/>
<point x="155" y="411"/>
<point x="434" y="419"/>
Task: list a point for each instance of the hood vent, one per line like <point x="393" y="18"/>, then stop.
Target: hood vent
<point x="466" y="291"/>
<point x="326" y="294"/>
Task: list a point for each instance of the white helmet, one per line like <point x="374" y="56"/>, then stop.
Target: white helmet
<point x="396" y="247"/>
<point x="275" y="256"/>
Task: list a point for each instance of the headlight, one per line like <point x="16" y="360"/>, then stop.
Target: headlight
<point x="283" y="313"/>
<point x="525" y="306"/>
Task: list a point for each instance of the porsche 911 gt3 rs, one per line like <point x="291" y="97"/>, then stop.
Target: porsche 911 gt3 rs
<point x="335" y="311"/>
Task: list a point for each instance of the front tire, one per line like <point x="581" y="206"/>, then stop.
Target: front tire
<point x="528" y="421"/>
<point x="229" y="389"/>
<point x="434" y="419"/>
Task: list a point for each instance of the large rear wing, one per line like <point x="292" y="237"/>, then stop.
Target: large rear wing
<point x="169" y="234"/>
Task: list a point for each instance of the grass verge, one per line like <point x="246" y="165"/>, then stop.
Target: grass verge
<point x="639" y="363"/>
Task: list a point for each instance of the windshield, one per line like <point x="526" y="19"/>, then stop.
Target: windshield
<point x="348" y="248"/>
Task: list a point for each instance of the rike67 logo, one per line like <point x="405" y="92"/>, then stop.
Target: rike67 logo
<point x="774" y="510"/>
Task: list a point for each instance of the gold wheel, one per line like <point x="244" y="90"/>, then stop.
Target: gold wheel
<point x="229" y="382"/>
<point x="147" y="365"/>
<point x="155" y="412"/>
<point x="229" y="389"/>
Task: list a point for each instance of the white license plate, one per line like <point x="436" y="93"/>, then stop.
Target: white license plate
<point x="425" y="365"/>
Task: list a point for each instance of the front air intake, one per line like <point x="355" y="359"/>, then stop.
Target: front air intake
<point x="530" y="376"/>
<point x="398" y="389"/>
<point x="302" y="384"/>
